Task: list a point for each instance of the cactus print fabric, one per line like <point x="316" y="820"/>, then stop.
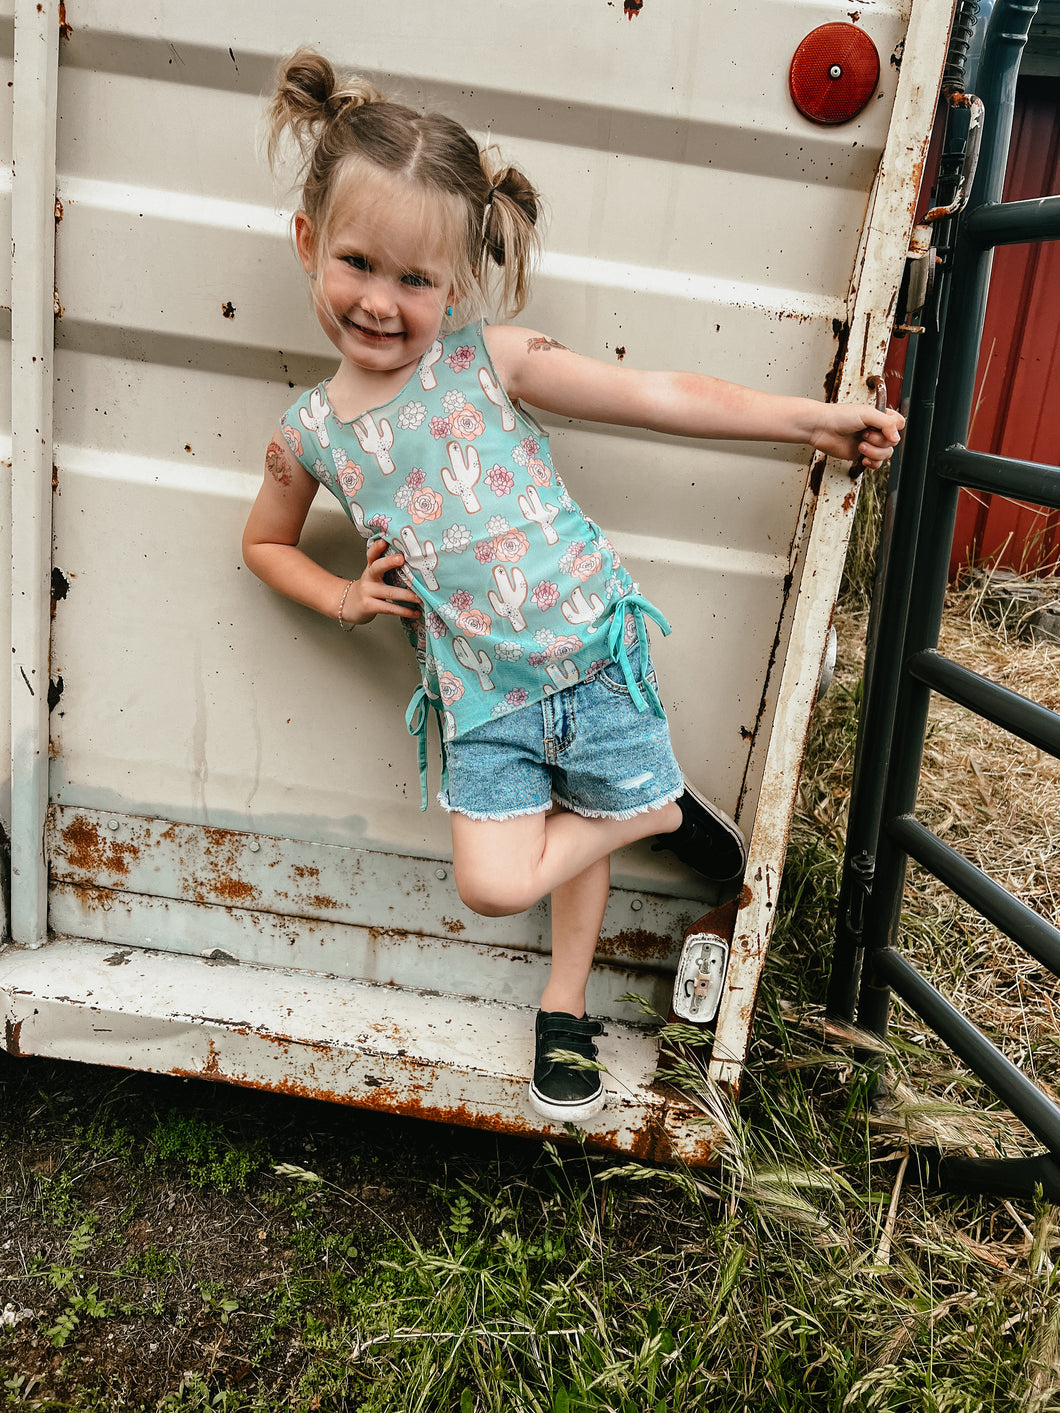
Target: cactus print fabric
<point x="522" y="594"/>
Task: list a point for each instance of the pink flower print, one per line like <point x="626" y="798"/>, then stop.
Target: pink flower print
<point x="462" y="358"/>
<point x="510" y="546"/>
<point x="473" y="622"/>
<point x="426" y="505"/>
<point x="293" y="439"/>
<point x="351" y="480"/>
<point x="467" y="423"/>
<point x="439" y="427"/>
<point x="536" y="659"/>
<point x="380" y="524"/>
<point x="450" y="687"/>
<point x="461" y="600"/>
<point x="568" y="560"/>
<point x="562" y="647"/>
<point x="415" y="478"/>
<point x="530" y="446"/>
<point x="484" y="551"/>
<point x="540" y="472"/>
<point x="436" y="625"/>
<point x="586" y="565"/>
<point x="597" y="666"/>
<point x="546" y="596"/>
<point x="500" y="480"/>
<point x="518" y="696"/>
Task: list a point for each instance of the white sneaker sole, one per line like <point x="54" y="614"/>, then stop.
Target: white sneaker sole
<point x="565" y="1113"/>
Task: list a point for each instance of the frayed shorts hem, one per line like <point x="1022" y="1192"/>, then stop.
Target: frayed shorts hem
<point x="488" y="817"/>
<point x="658" y="804"/>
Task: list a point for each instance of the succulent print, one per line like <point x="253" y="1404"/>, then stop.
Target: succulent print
<point x="500" y="480"/>
<point x="456" y="539"/>
<point x="537" y="659"/>
<point x="565" y="500"/>
<point x="404" y="494"/>
<point x="510" y="546"/>
<point x="526" y="449"/>
<point x="321" y="472"/>
<point x="517" y="697"/>
<point x="509" y="652"/>
<point x="484" y="551"/>
<point x="544" y="637"/>
<point x="450" y="687"/>
<point x="436" y="625"/>
<point x="546" y="596"/>
<point x="473" y="622"/>
<point x="461" y="600"/>
<point x="425" y="504"/>
<point x="586" y="565"/>
<point x="461" y="359"/>
<point x="562" y="647"/>
<point x="540" y="472"/>
<point x="380" y="524"/>
<point x="352" y="479"/>
<point x="467" y="422"/>
<point x="567" y="562"/>
<point x="453" y="401"/>
<point x="293" y="438"/>
<point x="411" y="415"/>
<point x="439" y="427"/>
<point x="497" y="525"/>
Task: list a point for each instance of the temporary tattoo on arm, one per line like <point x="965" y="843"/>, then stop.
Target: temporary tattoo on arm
<point x="276" y="464"/>
<point x="543" y="345"/>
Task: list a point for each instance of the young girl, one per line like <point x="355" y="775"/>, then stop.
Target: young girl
<point x="530" y="635"/>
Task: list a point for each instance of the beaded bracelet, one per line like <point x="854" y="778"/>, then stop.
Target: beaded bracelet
<point x="346" y="627"/>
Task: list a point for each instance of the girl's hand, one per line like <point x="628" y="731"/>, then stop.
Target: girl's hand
<point x="371" y="594"/>
<point x="851" y="432"/>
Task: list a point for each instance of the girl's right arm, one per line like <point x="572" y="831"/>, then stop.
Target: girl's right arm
<point x="270" y="550"/>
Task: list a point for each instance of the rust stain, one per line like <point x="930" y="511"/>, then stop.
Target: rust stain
<point x="65" y="30"/>
<point x="58" y="211"/>
<point x="841" y="334"/>
<point x="632" y="7"/>
<point x="849" y="501"/>
<point x="13" y="1037"/>
<point x="817" y="475"/>
<point x="637" y="944"/>
<point x="228" y="309"/>
<point x="322" y="903"/>
<point x="90" y="898"/>
<point x="94" y="851"/>
<point x="305" y="871"/>
<point x="454" y="926"/>
<point x="232" y="890"/>
<point x="620" y="352"/>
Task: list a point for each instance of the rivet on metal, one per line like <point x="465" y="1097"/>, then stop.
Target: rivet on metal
<point x="440" y="873"/>
<point x="636" y="905"/>
<point x="835" y="72"/>
<point x="254" y="846"/>
<point x="113" y="824"/>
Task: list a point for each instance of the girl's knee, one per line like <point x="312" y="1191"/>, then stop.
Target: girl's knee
<point x="492" y="896"/>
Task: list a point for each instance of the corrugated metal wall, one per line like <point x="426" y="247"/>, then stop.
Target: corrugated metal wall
<point x="1017" y="409"/>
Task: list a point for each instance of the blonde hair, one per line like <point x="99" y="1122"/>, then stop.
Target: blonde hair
<point x="348" y="132"/>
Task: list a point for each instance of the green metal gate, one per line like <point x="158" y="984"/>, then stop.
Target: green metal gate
<point x="903" y="664"/>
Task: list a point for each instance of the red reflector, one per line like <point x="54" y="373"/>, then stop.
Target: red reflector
<point x="834" y="73"/>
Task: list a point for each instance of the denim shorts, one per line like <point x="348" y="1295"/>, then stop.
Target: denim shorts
<point x="585" y="747"/>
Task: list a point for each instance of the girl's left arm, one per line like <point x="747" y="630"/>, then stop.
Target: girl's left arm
<point x="536" y="369"/>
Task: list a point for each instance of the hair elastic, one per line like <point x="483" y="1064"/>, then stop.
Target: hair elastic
<point x="486" y="212"/>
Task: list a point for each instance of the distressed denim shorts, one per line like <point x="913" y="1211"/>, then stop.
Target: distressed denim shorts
<point x="586" y="747"/>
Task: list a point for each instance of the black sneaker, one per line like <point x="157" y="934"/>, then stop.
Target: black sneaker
<point x="707" y="840"/>
<point x="559" y="1089"/>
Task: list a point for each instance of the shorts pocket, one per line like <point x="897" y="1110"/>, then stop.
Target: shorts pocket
<point x="613" y="679"/>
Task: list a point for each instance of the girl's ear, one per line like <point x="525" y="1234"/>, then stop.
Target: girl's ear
<point x="303" y="239"/>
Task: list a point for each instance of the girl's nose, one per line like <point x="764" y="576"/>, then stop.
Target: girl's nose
<point x="378" y="299"/>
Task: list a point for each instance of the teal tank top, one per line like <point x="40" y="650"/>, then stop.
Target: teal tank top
<point x="522" y="593"/>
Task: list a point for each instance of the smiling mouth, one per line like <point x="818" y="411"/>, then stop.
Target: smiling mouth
<point x="374" y="335"/>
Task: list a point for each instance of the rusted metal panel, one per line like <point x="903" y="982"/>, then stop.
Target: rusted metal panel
<point x="298" y="1033"/>
<point x="1017" y="411"/>
<point x="7" y="45"/>
<point x="203" y="715"/>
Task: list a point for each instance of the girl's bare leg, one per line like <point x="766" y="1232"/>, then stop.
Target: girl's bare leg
<point x="506" y="866"/>
<point x="577" y="914"/>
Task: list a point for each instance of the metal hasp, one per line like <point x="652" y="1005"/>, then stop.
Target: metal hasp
<point x="903" y="665"/>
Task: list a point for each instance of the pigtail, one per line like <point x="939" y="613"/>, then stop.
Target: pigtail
<point x="509" y="237"/>
<point x="308" y="98"/>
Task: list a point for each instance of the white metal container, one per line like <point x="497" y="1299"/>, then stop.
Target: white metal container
<point x="219" y="866"/>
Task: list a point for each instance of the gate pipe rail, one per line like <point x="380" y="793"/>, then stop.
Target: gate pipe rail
<point x="1032" y="722"/>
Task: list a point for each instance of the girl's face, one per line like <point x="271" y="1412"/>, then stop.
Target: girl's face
<point x="382" y="282"/>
